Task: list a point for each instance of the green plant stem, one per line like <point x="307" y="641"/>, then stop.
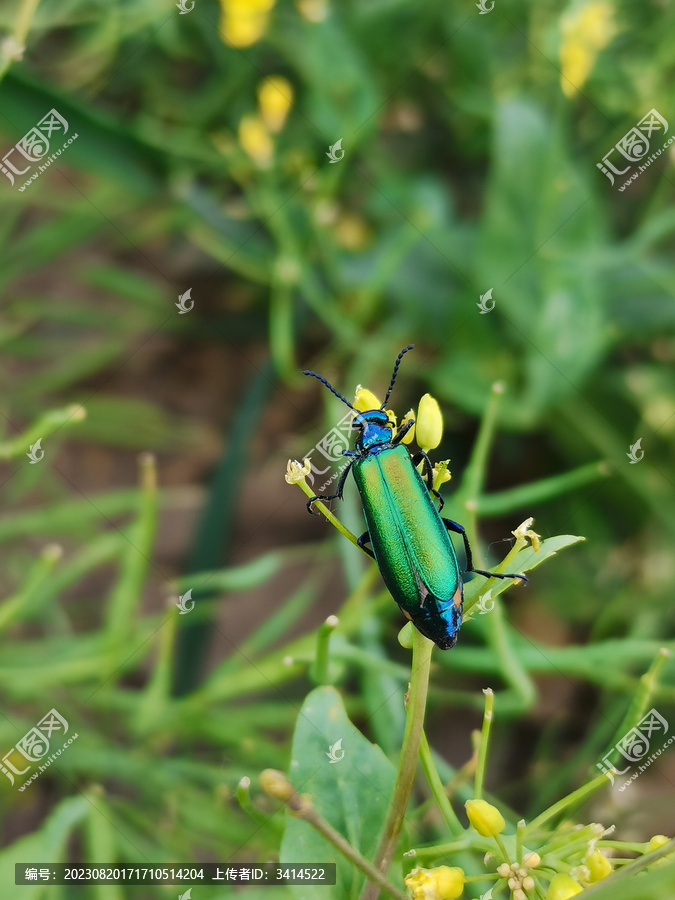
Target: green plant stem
<point x="450" y="849"/>
<point x="483" y="745"/>
<point x="412" y="737"/>
<point x="22" y="19"/>
<point x="436" y="785"/>
<point x="520" y="835"/>
<point x="572" y="799"/>
<point x="511" y="668"/>
<point x="643" y="695"/>
<point x="375" y="877"/>
<point x="323" y="509"/>
<point x="319" y="669"/>
<point x="474" y="476"/>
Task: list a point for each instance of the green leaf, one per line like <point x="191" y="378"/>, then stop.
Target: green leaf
<point x="524" y="561"/>
<point x="352" y="794"/>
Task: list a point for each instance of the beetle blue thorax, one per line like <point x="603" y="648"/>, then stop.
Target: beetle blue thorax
<point x="374" y="430"/>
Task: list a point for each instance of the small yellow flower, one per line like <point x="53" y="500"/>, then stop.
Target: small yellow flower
<point x="275" y="98"/>
<point x="296" y="472"/>
<point x="531" y="860"/>
<point x="562" y="887"/>
<point x="351" y="231"/>
<point x="440" y="883"/>
<point x="441" y="473"/>
<point x="524" y="531"/>
<point x="485" y="818"/>
<point x="598" y="865"/>
<point x="586" y="31"/>
<point x="411" y="433"/>
<point x="658" y="841"/>
<point x="365" y="400"/>
<point x="255" y="140"/>
<point x="243" y="22"/>
<point x="429" y="423"/>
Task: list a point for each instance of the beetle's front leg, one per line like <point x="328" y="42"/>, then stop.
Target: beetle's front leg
<point x="362" y="541"/>
<point x="403" y="430"/>
<point x="341" y="483"/>
<point x="458" y="529"/>
<point x="422" y="456"/>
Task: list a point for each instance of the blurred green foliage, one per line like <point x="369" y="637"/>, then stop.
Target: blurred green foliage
<point x="466" y="167"/>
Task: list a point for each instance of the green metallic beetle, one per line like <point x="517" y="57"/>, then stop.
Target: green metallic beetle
<point x="408" y="537"/>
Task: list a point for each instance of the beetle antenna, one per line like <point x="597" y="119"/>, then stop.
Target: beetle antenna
<point x="395" y="372"/>
<point x="329" y="386"/>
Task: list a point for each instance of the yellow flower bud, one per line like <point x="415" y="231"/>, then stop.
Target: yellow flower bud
<point x="275" y="98"/>
<point x="562" y="887"/>
<point x="598" y="865"/>
<point x="365" y="400"/>
<point x="586" y="30"/>
<point x="255" y="140"/>
<point x="440" y="883"/>
<point x="485" y="818"/>
<point x="429" y="423"/>
<point x="531" y="860"/>
<point x="276" y="785"/>
<point x="243" y="22"/>
<point x="411" y="433"/>
<point x="658" y="841"/>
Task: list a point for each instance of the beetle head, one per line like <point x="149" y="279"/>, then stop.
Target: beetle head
<point x="374" y="429"/>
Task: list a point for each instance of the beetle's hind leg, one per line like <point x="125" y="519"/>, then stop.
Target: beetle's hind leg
<point x="336" y="496"/>
<point x="429" y="475"/>
<point x="458" y="529"/>
<point x="362" y="541"/>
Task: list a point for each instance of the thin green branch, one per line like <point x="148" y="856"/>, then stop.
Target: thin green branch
<point x="412" y="738"/>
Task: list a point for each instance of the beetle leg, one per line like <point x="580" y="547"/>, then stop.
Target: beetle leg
<point x="458" y="529"/>
<point x="362" y="541"/>
<point x="429" y="474"/>
<point x="336" y="496"/>
<point x="403" y="430"/>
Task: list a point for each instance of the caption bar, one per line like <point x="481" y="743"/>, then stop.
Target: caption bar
<point x="178" y="873"/>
